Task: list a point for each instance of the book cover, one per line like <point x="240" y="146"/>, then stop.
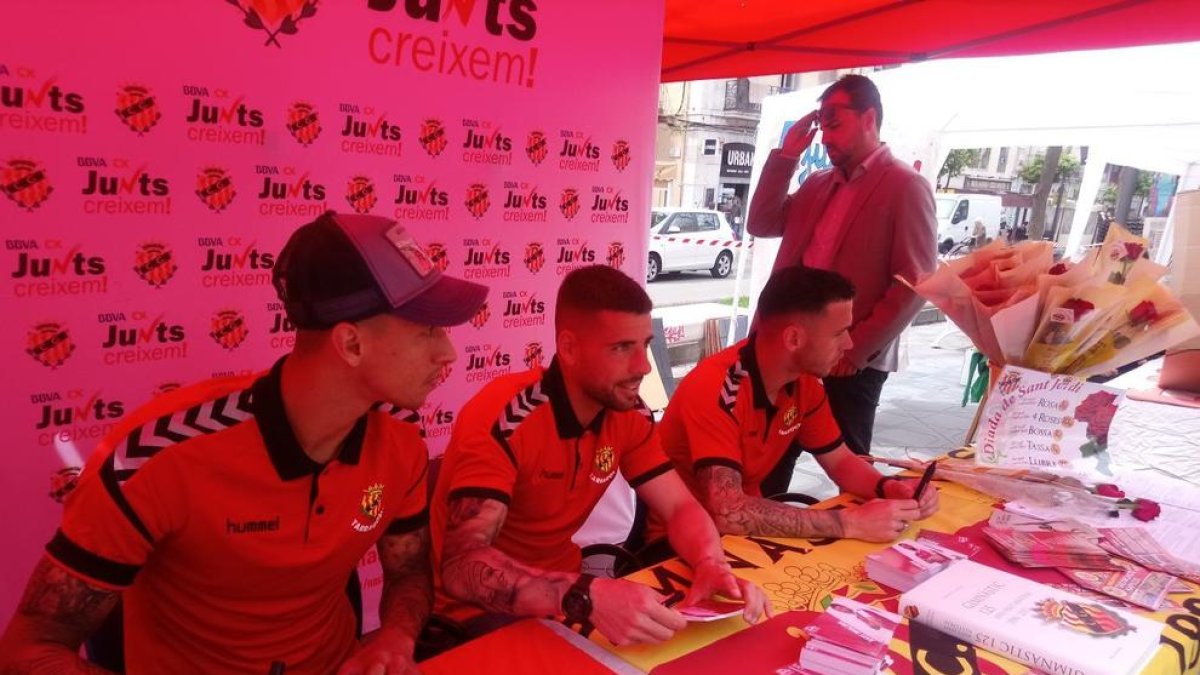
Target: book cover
<point x="1048" y="629"/>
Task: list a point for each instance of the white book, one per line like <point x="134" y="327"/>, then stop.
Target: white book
<point x="1051" y="630"/>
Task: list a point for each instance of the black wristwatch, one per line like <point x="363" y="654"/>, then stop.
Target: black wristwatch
<point x="577" y="601"/>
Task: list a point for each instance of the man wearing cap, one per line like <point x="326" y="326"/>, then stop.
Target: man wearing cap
<point x="228" y="516"/>
<point x="530" y="456"/>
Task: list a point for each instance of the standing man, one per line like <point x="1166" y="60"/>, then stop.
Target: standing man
<point x="740" y="411"/>
<point x="869" y="218"/>
<point x="530" y="456"/>
<point x="228" y="516"/>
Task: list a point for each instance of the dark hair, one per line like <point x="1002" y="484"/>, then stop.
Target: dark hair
<point x="862" y="92"/>
<point x="804" y="290"/>
<point x="597" y="288"/>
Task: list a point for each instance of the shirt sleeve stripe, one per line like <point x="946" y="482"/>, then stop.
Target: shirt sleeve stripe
<point x="651" y="474"/>
<point x="409" y="524"/>
<point x="716" y="461"/>
<point x="498" y="434"/>
<point x="481" y="493"/>
<point x="827" y="448"/>
<point x="108" y="477"/>
<point x="83" y="561"/>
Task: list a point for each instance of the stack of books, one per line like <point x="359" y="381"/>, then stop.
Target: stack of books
<point x="850" y="638"/>
<point x="907" y="563"/>
<point x="1048" y="629"/>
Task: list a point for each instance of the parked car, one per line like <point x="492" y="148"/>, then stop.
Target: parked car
<point x="668" y="253"/>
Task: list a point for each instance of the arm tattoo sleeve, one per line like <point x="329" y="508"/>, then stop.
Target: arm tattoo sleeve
<point x="736" y="512"/>
<point x="475" y="571"/>
<point x="57" y="613"/>
<point x="407" y="584"/>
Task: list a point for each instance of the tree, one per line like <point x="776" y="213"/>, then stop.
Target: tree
<point x="1068" y="166"/>
<point x="1046" y="170"/>
<point x="956" y="161"/>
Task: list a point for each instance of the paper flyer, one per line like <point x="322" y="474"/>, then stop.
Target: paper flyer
<point x="1039" y="420"/>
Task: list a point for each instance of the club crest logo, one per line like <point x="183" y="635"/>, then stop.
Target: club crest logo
<point x="534" y="353"/>
<point x="536" y="147"/>
<point x="432" y="137"/>
<point x="137" y="108"/>
<point x="370" y="509"/>
<point x="477" y="199"/>
<point x="360" y="194"/>
<point x="214" y="187"/>
<point x="24" y="181"/>
<point x="1084" y="617"/>
<point x="569" y="204"/>
<point x="791" y="421"/>
<point x="49" y="344"/>
<point x="228" y="329"/>
<point x="616" y="254"/>
<point x="275" y="17"/>
<point x="438" y="256"/>
<point x="535" y="256"/>
<point x="303" y="123"/>
<point x="604" y="465"/>
<point x="620" y="155"/>
<point x="481" y="317"/>
<point x="63" y="482"/>
<point x="154" y="263"/>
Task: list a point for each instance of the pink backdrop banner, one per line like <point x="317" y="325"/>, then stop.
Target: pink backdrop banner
<point x="154" y="156"/>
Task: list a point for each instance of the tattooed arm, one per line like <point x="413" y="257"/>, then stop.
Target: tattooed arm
<point x="57" y="613"/>
<point x="736" y="512"/>
<point x="407" y="599"/>
<point x="475" y="571"/>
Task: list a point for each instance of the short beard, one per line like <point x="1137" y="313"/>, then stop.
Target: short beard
<point x="607" y="398"/>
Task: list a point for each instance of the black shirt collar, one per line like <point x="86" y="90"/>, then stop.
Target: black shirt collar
<point x="565" y="421"/>
<point x="749" y="359"/>
<point x="288" y="458"/>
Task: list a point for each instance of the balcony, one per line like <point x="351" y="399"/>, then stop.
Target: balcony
<point x="744" y="96"/>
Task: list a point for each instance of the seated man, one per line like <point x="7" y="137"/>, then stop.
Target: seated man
<point x="740" y="411"/>
<point x="228" y="516"/>
<point x="530" y="456"/>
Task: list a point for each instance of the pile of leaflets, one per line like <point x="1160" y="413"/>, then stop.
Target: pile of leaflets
<point x="850" y="638"/>
<point x="907" y="563"/>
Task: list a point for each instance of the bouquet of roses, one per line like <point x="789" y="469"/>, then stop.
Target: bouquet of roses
<point x="1084" y="317"/>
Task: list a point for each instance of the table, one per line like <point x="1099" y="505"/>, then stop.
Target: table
<point x="800" y="576"/>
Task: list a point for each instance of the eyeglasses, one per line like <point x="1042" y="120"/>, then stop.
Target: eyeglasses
<point x="827" y="115"/>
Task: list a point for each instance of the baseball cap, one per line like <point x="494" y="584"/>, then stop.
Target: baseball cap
<point x="349" y="267"/>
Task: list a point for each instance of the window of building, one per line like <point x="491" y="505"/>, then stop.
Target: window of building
<point x="710" y="195"/>
<point x="1002" y="160"/>
<point x="710" y="146"/>
<point x="985" y="158"/>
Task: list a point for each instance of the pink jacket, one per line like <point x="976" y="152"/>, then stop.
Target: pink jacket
<point x="892" y="230"/>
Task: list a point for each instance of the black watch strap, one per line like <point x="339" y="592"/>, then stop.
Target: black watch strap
<point x="577" y="601"/>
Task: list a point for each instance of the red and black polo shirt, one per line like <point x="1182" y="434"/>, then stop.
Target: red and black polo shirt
<point x="519" y="442"/>
<point x="231" y="546"/>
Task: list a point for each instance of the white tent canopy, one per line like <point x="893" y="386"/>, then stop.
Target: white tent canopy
<point x="1136" y="107"/>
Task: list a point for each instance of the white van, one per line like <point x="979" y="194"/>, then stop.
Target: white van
<point x="956" y="214"/>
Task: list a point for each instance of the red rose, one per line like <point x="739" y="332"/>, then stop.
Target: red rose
<point x="1060" y="268"/>
<point x="1146" y="510"/>
<point x="1109" y="490"/>
<point x="1144" y="313"/>
<point x="1079" y="307"/>
<point x="1133" y="250"/>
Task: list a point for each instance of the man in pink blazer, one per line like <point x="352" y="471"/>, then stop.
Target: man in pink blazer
<point x="869" y="218"/>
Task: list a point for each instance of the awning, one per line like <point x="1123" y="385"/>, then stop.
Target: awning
<point x="741" y="38"/>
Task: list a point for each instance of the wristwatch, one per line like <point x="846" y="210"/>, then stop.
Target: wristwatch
<point x="577" y="601"/>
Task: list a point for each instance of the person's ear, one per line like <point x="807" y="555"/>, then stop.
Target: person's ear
<point x="348" y="340"/>
<point x="568" y="346"/>
<point x="795" y="336"/>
